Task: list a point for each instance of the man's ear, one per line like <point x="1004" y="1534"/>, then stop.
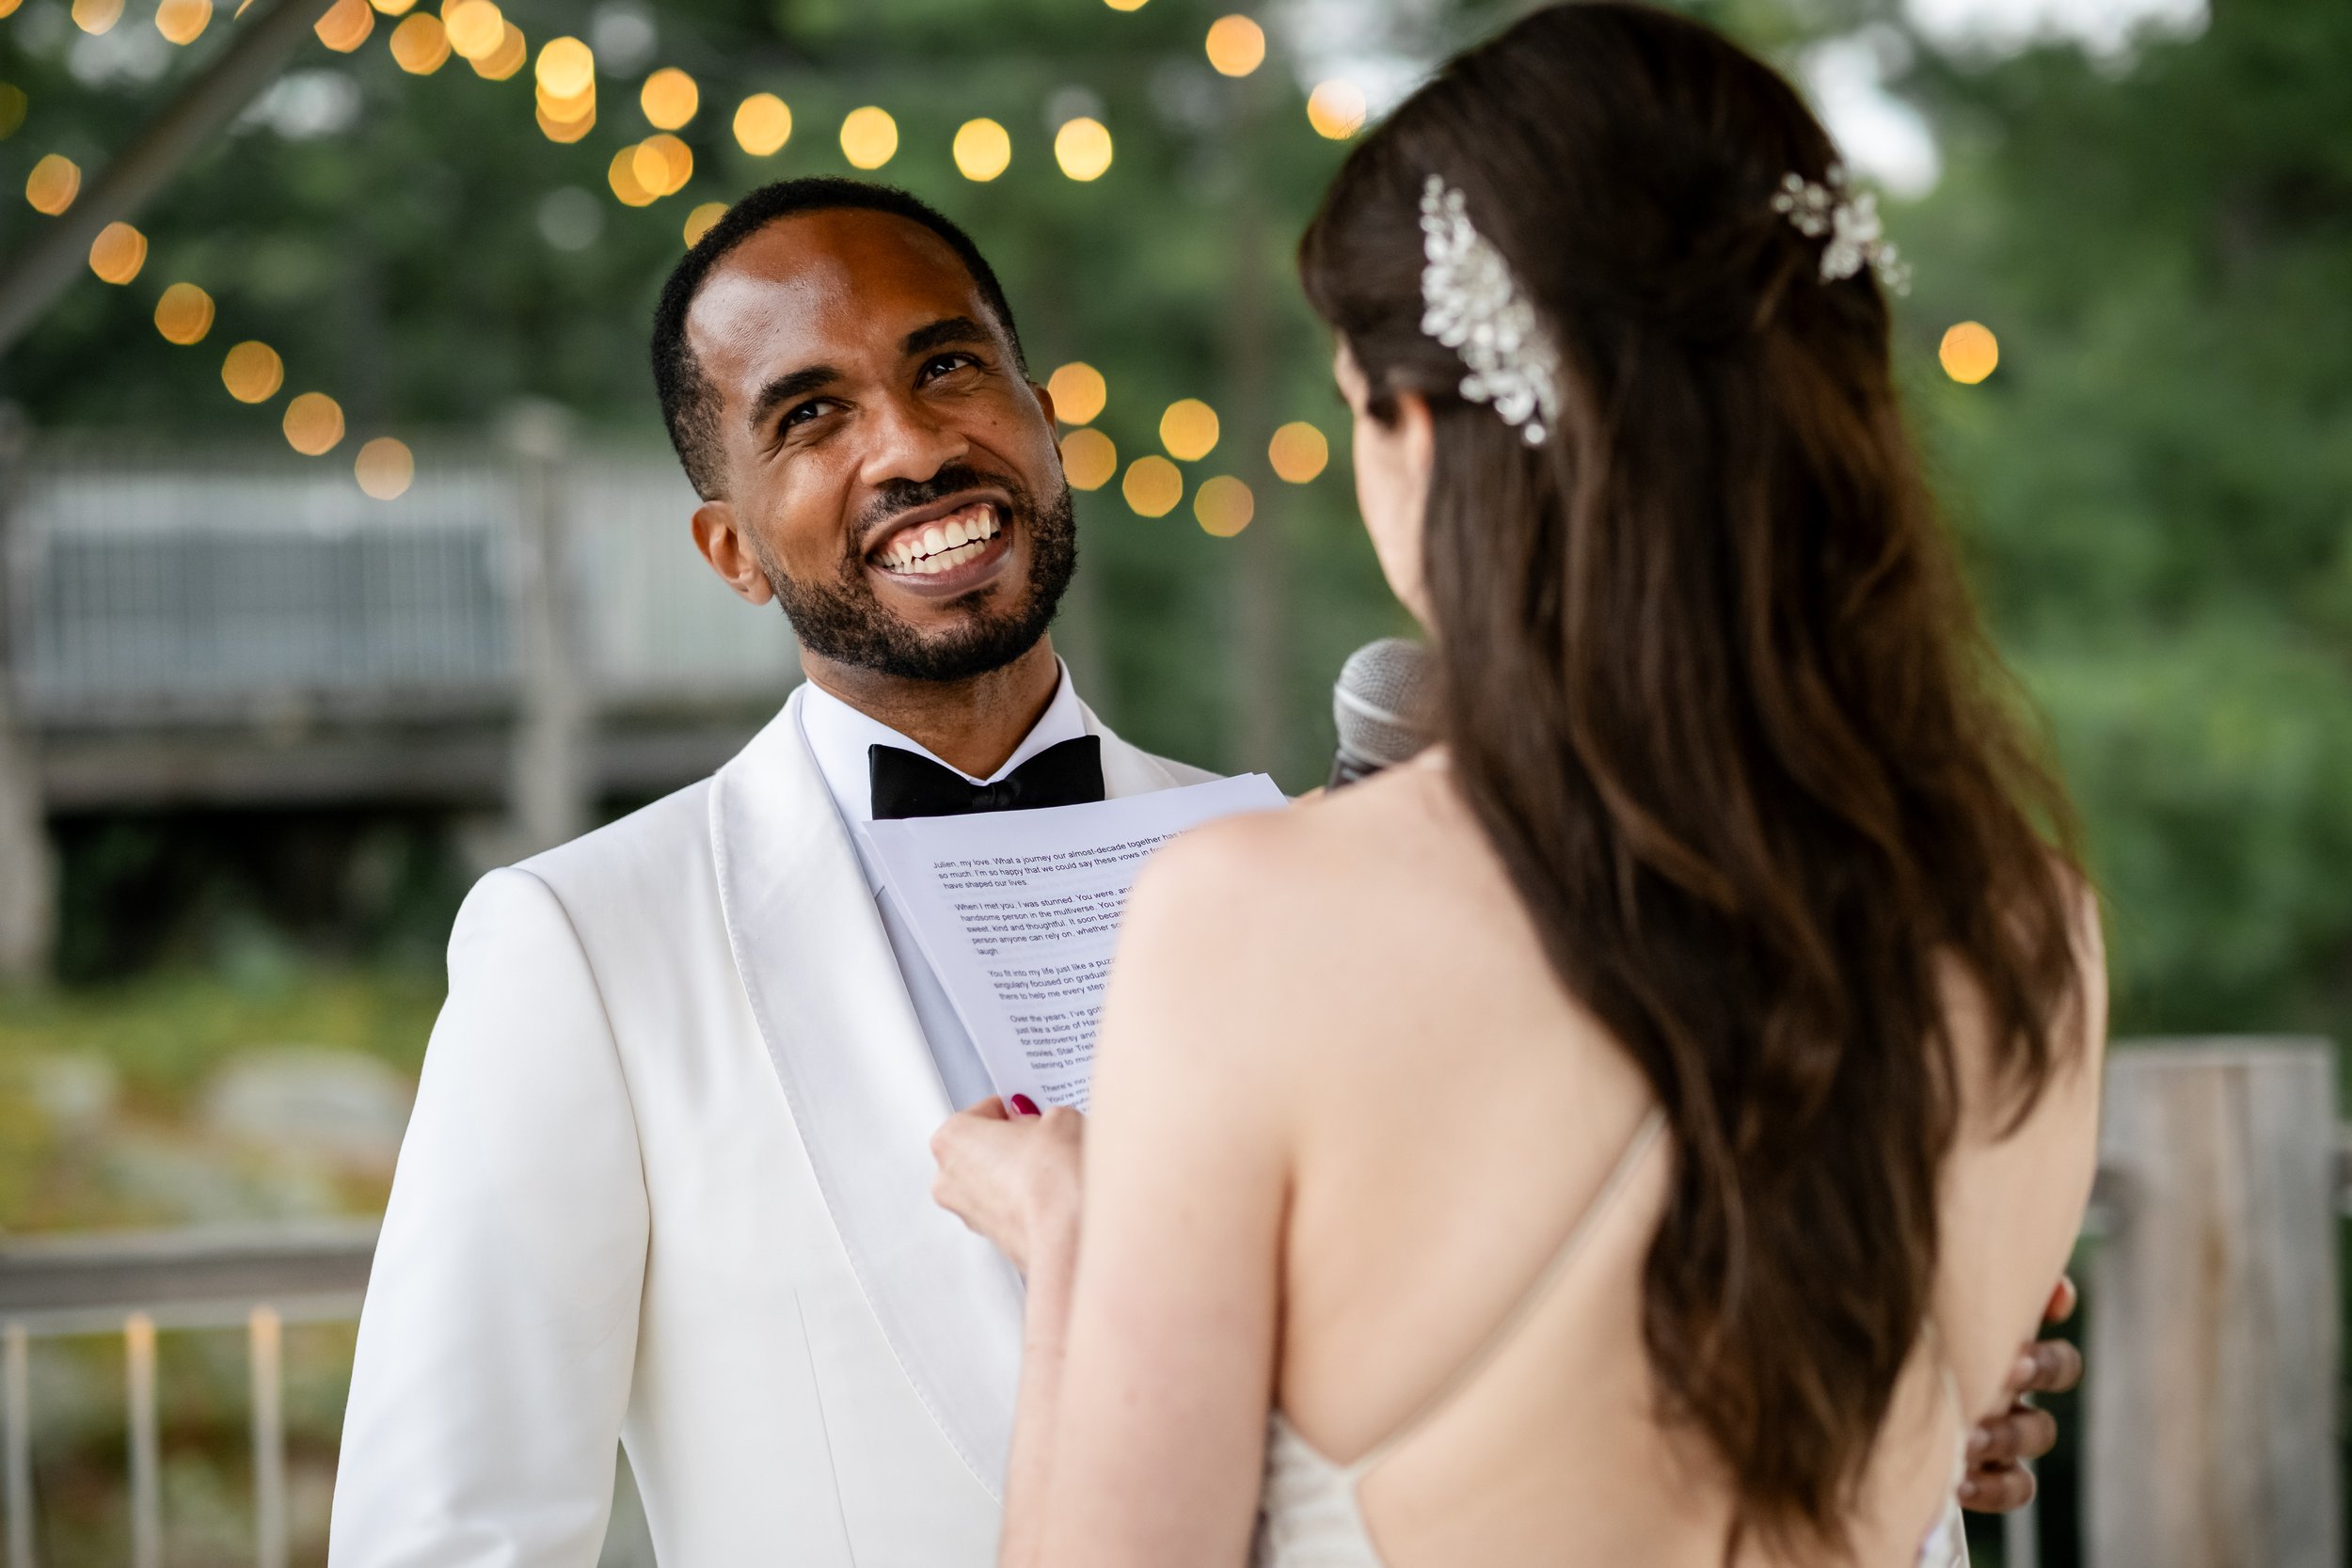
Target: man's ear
<point x="1044" y="401"/>
<point x="730" y="551"/>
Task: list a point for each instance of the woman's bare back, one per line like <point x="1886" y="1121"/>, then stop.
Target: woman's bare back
<point x="1458" y="1113"/>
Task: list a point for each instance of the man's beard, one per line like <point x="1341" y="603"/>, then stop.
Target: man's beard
<point x="841" y="619"/>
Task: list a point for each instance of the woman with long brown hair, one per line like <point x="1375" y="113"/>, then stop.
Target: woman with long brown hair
<point x="1642" y="1130"/>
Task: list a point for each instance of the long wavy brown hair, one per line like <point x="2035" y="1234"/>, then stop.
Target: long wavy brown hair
<point x="1715" y="693"/>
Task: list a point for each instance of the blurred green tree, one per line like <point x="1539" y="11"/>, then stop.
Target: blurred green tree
<point x="2156" y="482"/>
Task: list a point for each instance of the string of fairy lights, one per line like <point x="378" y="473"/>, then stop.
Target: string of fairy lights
<point x="643" y="172"/>
<point x="565" y="105"/>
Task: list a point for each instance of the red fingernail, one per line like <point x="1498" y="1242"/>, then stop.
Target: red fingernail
<point x="1027" y="1106"/>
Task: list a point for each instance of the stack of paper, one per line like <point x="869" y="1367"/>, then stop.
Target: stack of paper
<point x="1018" y="913"/>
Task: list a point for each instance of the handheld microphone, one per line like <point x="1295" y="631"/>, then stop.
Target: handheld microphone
<point x="1381" y="704"/>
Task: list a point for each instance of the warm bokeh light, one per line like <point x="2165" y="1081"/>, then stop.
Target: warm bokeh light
<point x="1236" y="45"/>
<point x="389" y="7"/>
<point x="184" y="314"/>
<point x="1088" y="459"/>
<point x="1336" y="109"/>
<point x="1189" y="429"/>
<point x="1078" y="391"/>
<point x="182" y="21"/>
<point x="475" y="27"/>
<point x="507" y="58"/>
<point x="669" y="98"/>
<point x="563" y="111"/>
<point x="1083" y="147"/>
<point x="763" y="124"/>
<point x="1969" y="352"/>
<point x="117" y="253"/>
<point x="1124" y="5"/>
<point x="252" y="372"/>
<point x="345" y="27"/>
<point x="621" y="174"/>
<point x="313" y="424"/>
<point x="53" y="183"/>
<point x="1224" y="505"/>
<point x="983" y="149"/>
<point x="1153" y="485"/>
<point x="97" y="16"/>
<point x="8" y="6"/>
<point x="385" y="467"/>
<point x="12" y="104"/>
<point x="1297" y="453"/>
<point x="420" y="45"/>
<point x="566" y="130"/>
<point x="567" y="68"/>
<point x="870" y="137"/>
<point x="663" y="164"/>
<point x="698" y="222"/>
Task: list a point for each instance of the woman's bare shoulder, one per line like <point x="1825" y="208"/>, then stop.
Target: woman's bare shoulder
<point x="1322" y="858"/>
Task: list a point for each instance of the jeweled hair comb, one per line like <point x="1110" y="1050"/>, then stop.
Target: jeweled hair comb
<point x="1856" y="237"/>
<point x="1471" y="305"/>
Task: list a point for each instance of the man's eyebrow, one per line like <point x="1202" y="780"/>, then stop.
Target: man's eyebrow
<point x="784" y="388"/>
<point x="955" y="329"/>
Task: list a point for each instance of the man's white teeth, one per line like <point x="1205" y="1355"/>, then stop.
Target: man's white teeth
<point x="945" y="546"/>
<point x="947" y="561"/>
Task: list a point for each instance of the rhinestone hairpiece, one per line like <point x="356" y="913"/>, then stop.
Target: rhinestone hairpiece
<point x="1856" y="237"/>
<point x="1470" y="304"/>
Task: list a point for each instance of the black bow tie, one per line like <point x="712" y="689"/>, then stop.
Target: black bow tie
<point x="908" y="784"/>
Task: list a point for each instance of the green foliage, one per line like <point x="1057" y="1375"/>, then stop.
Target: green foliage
<point x="2156" y="483"/>
<point x="165" y="1032"/>
<point x="153" y="1042"/>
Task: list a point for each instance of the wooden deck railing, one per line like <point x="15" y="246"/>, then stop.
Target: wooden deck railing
<point x="136" y="1285"/>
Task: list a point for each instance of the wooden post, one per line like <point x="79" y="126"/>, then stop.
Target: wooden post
<point x="551" y="786"/>
<point x="27" y="880"/>
<point x="2213" y="1332"/>
<point x="147" y="1451"/>
<point x="16" y="1459"/>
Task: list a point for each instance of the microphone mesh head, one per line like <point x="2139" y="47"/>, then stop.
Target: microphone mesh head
<point x="1382" y="700"/>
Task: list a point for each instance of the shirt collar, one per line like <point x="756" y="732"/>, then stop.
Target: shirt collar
<point x="839" y="735"/>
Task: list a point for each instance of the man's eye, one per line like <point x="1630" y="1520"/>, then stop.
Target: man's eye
<point x="803" y="413"/>
<point x="939" y="365"/>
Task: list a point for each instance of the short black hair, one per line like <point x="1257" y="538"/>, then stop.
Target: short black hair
<point x="690" y="405"/>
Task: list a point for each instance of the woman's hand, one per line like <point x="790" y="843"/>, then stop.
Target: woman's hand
<point x="1013" y="1178"/>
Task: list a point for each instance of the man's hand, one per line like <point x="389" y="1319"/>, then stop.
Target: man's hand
<point x="1998" y="1450"/>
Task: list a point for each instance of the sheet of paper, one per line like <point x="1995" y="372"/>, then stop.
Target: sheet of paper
<point x="1018" y="912"/>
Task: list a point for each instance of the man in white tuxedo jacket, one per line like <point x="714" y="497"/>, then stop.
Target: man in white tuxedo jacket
<point x="668" y="1179"/>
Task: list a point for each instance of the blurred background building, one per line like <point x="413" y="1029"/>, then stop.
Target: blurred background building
<point x="341" y="554"/>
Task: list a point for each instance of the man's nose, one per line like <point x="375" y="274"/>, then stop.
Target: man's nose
<point x="909" y="443"/>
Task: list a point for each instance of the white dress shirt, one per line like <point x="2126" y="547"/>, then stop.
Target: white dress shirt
<point x="839" y="735"/>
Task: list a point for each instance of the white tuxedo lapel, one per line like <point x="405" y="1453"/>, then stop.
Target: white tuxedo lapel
<point x="864" y="1095"/>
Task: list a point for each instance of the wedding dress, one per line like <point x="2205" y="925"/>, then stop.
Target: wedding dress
<point x="1309" y="1512"/>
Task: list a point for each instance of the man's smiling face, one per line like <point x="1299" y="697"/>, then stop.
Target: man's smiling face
<point x="889" y="467"/>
